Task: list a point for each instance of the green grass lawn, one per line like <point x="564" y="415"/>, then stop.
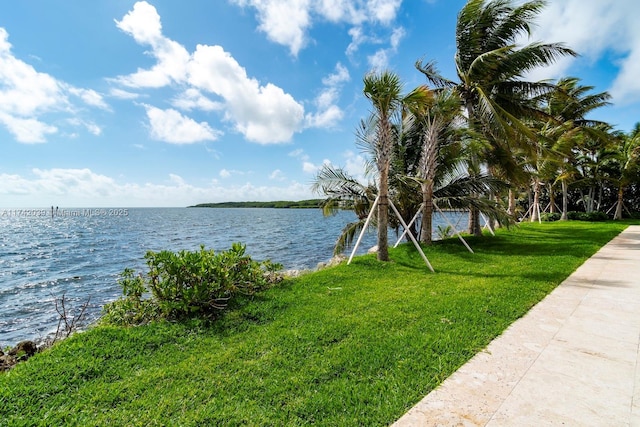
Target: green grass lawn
<point x="353" y="345"/>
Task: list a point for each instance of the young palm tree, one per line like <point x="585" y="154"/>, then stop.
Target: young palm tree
<point x="490" y="67"/>
<point x="437" y="122"/>
<point x="384" y="90"/>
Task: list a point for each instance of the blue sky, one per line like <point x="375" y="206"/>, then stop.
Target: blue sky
<point x="163" y="103"/>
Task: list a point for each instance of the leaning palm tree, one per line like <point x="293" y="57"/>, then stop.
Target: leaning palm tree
<point x="491" y="67"/>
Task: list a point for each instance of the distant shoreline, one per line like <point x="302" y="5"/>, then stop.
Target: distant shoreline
<point x="281" y="204"/>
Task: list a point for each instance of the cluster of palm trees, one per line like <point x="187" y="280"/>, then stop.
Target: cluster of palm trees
<point x="482" y="141"/>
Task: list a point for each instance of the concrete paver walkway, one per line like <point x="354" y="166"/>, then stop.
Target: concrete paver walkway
<point x="572" y="360"/>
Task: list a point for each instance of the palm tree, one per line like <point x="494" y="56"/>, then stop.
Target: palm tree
<point x="384" y="92"/>
<point x="452" y="186"/>
<point x="386" y="127"/>
<point x="628" y="166"/>
<point x="437" y="123"/>
<point x="567" y="128"/>
<point x="490" y="67"/>
<point x="591" y="158"/>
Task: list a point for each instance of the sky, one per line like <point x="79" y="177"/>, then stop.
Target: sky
<point x="118" y="103"/>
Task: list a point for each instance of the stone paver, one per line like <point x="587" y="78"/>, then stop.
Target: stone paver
<point x="572" y="360"/>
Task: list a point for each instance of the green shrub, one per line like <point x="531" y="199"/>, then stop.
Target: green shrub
<point x="590" y="216"/>
<point x="188" y="283"/>
<point x="131" y="309"/>
<point x="554" y="216"/>
<point x="444" y="232"/>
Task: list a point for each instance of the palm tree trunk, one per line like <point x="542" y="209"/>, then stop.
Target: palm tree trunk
<point x="536" y="201"/>
<point x="619" y="204"/>
<point x="589" y="204"/>
<point x="383" y="215"/>
<point x="565" y="200"/>
<point x="511" y="210"/>
<point x="600" y="191"/>
<point x="552" y="200"/>
<point x="427" y="213"/>
<point x="474" y="222"/>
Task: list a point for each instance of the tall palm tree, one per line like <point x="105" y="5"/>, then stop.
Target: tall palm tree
<point x="437" y="123"/>
<point x="491" y="67"/>
<point x="384" y="90"/>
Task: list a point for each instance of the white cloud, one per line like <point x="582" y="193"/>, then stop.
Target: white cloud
<point x="357" y="38"/>
<point x="287" y="21"/>
<point x="93" y="128"/>
<point x="380" y="59"/>
<point x="28" y="131"/>
<point x="597" y="30"/>
<point x="284" y="21"/>
<point x="355" y="165"/>
<point x="307" y="165"/>
<point x="383" y="11"/>
<point x="311" y="168"/>
<point x="226" y="173"/>
<point x="89" y="126"/>
<point x="328" y="113"/>
<point x="84" y="188"/>
<point x="192" y="99"/>
<point x="277" y="175"/>
<point x="25" y="91"/>
<point x="89" y="96"/>
<point x="176" y="179"/>
<point x="340" y="76"/>
<point x="262" y="113"/>
<point x="123" y="94"/>
<point x="143" y="24"/>
<point x="171" y="126"/>
<point x="26" y="95"/>
<point x="396" y="36"/>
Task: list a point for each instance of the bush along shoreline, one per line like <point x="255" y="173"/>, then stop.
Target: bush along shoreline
<point x="187" y="284"/>
<point x="178" y="285"/>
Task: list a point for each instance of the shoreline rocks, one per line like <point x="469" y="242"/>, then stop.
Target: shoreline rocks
<point x="21" y="352"/>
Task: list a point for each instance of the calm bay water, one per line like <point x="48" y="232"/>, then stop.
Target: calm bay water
<point x="80" y="253"/>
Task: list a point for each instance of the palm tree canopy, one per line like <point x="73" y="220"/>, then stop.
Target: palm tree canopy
<point x="491" y="66"/>
<point x="383" y="90"/>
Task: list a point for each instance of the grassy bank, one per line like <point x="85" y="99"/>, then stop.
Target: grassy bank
<point x="352" y="345"/>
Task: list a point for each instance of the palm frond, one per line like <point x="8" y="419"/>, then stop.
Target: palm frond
<point x="347" y="236"/>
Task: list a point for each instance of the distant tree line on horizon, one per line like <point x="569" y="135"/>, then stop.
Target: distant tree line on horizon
<point x="280" y="204"/>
